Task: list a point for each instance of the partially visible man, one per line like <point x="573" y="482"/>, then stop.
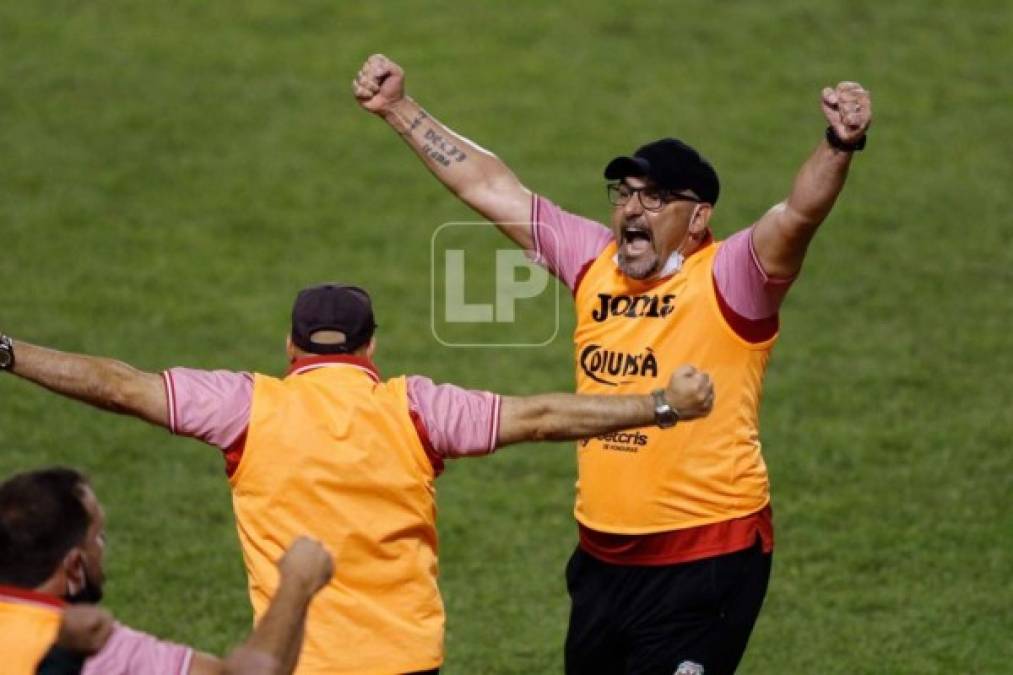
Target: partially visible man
<point x="675" y="532"/>
<point x="334" y="450"/>
<point x="52" y="547"/>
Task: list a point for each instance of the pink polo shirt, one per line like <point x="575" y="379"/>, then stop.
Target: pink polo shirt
<point x="130" y="652"/>
<point x="214" y="407"/>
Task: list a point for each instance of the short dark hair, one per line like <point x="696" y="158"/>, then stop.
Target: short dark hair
<point x="42" y="517"/>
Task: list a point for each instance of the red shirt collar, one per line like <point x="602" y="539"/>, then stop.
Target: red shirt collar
<point x="31" y="597"/>
<point x="308" y="363"/>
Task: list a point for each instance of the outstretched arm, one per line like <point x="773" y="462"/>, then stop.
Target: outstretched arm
<point x="474" y="174"/>
<point x="560" y="417"/>
<point x="782" y="235"/>
<point x="103" y="383"/>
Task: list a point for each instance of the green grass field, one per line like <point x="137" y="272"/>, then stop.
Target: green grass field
<point x="171" y="173"/>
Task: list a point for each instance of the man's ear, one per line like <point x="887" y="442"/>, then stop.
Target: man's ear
<point x="371" y="348"/>
<point x="73" y="570"/>
<point x="289" y="348"/>
<point x="700" y="219"/>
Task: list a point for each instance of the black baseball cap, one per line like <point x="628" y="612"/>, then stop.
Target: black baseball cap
<point x="332" y="307"/>
<point x="671" y="164"/>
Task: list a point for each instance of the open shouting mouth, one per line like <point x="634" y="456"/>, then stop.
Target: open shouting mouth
<point x="636" y="241"/>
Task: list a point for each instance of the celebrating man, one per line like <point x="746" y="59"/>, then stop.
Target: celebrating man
<point x="675" y="529"/>
<point x="52" y="549"/>
<point x="334" y="451"/>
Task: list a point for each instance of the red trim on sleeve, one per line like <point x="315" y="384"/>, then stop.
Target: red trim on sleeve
<point x="494" y="424"/>
<point x="434" y="457"/>
<point x="27" y="595"/>
<point x="234" y="453"/>
<point x="750" y="330"/>
<point x="535" y="228"/>
<point x="170" y="399"/>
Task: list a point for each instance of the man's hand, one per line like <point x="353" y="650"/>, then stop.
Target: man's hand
<point x="307" y="564"/>
<point x="379" y="84"/>
<point x="690" y="392"/>
<point x="85" y="629"/>
<point x="848" y="109"/>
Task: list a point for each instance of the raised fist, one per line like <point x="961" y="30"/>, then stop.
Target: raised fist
<point x="307" y="563"/>
<point x="379" y="84"/>
<point x="690" y="392"/>
<point x="848" y="109"/>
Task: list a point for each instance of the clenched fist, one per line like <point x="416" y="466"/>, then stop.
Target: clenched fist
<point x="848" y="109"/>
<point x="690" y="392"/>
<point x="308" y="564"/>
<point x="379" y="84"/>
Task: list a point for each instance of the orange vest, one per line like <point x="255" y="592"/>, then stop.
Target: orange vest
<point x="630" y="336"/>
<point x="333" y="453"/>
<point x="29" y="623"/>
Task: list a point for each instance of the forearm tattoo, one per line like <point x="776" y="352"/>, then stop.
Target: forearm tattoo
<point x="417" y="122"/>
<point x="441" y="150"/>
<point x="433" y="144"/>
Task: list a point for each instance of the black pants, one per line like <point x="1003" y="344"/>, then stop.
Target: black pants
<point x="691" y="618"/>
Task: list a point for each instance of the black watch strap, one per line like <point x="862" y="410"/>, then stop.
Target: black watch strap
<point x="6" y="353"/>
<point x="835" y="141"/>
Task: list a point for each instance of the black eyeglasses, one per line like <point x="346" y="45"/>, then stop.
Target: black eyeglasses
<point x="651" y="199"/>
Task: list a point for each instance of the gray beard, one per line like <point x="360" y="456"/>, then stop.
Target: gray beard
<point x="639" y="270"/>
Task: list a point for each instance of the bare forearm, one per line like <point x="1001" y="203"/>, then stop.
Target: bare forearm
<point x="560" y="417"/>
<point x="471" y="172"/>
<point x="279" y="635"/>
<point x="101" y="382"/>
<point x="781" y="237"/>
<point x="817" y="185"/>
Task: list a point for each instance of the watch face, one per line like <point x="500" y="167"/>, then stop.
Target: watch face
<point x="667" y="418"/>
<point x="6" y="352"/>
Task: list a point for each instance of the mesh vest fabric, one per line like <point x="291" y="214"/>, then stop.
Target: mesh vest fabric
<point x="333" y="454"/>
<point x="630" y="336"/>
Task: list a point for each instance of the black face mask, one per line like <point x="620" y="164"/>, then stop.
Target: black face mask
<point x="91" y="594"/>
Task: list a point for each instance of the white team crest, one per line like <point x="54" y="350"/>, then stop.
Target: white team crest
<point x="689" y="668"/>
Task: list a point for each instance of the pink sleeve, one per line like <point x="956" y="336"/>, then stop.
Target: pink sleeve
<point x="564" y="242"/>
<point x="459" y="422"/>
<point x="130" y="652"/>
<point x="210" y="405"/>
<point x="742" y="282"/>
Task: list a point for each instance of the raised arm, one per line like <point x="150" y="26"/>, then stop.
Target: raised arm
<point x="103" y="383"/>
<point x="472" y="173"/>
<point x="560" y="417"/>
<point x="782" y="235"/>
<point x="305" y="569"/>
<point x="274" y="645"/>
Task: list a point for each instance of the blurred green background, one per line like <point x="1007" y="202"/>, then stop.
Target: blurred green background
<point x="171" y="173"/>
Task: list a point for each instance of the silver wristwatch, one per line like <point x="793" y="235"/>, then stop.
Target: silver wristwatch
<point x="665" y="415"/>
<point x="6" y="353"/>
